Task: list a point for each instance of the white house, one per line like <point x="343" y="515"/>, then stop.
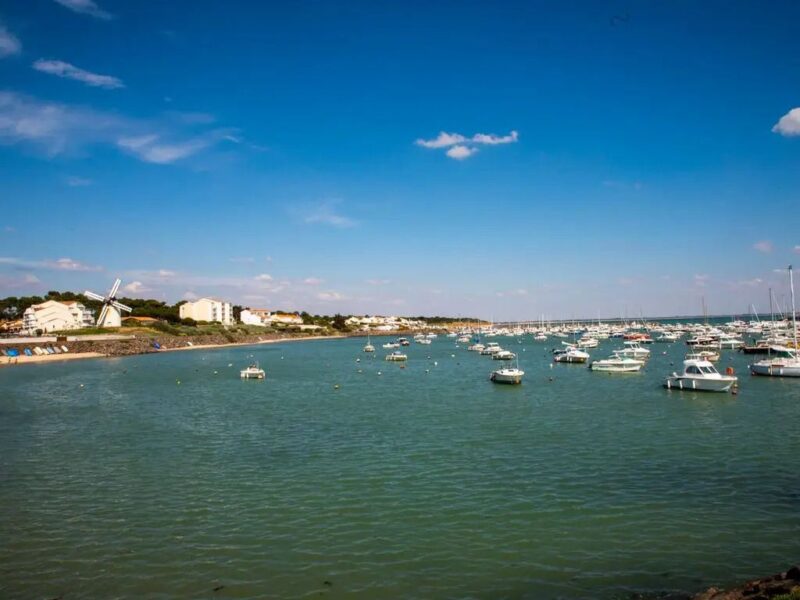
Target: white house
<point x="211" y="310"/>
<point x="255" y="316"/>
<point x="56" y="316"/>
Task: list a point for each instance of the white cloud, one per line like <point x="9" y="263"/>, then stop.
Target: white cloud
<point x="789" y="124"/>
<point x="493" y="140"/>
<point x="764" y="246"/>
<point x="59" y="129"/>
<point x="312" y="281"/>
<point x="190" y="296"/>
<point x="331" y="296"/>
<point x="86" y="7"/>
<point x="456" y="143"/>
<point x="325" y="213"/>
<point x="9" y="44"/>
<point x="147" y="148"/>
<point x="60" y="264"/>
<point x="165" y="273"/>
<point x="460" y="152"/>
<point x="797" y="249"/>
<point x="75" y="181"/>
<point x="263" y="277"/>
<point x="443" y="140"/>
<point x="59" y="68"/>
<point x="136" y="287"/>
<point x="700" y="280"/>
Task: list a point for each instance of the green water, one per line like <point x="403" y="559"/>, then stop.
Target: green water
<point x="423" y="482"/>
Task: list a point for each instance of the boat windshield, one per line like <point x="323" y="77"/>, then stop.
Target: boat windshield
<point x="708" y="370"/>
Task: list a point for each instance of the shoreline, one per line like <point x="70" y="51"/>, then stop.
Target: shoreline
<point x="50" y="358"/>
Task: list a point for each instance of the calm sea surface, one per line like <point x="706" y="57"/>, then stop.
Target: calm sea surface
<point x="423" y="482"/>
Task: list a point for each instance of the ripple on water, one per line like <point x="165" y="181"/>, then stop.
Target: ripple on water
<point x="411" y="484"/>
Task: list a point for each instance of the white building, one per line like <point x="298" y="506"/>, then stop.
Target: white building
<point x="56" y="316"/>
<point x="207" y="309"/>
<point x="255" y="316"/>
<point x="383" y="323"/>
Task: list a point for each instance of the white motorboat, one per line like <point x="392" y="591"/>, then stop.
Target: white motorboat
<point x="667" y="337"/>
<point x="701" y="376"/>
<point x="571" y="355"/>
<point x="504" y="355"/>
<point x="396" y="356"/>
<point x="511" y="375"/>
<point x="632" y="349"/>
<point x="540" y="337"/>
<point x="491" y="348"/>
<point x="587" y="342"/>
<point x="389" y="345"/>
<point x="617" y="365"/>
<point x="476" y="348"/>
<point x="708" y="355"/>
<point x="252" y="372"/>
<point x="424" y="341"/>
<point x="403" y="341"/>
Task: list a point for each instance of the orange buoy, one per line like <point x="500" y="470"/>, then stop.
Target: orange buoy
<point x="729" y="371"/>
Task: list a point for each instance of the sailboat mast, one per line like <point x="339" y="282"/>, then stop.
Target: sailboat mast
<point x="794" y="311"/>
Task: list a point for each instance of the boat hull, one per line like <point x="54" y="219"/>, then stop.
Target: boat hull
<point x="775" y="370"/>
<point x="699" y="384"/>
<point x="511" y="379"/>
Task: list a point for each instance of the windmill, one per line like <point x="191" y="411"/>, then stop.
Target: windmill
<point x="110" y="313"/>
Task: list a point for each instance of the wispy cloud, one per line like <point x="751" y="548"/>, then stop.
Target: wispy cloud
<point x="61" y="129"/>
<point x="9" y="43"/>
<point x="263" y="277"/>
<point x="75" y="181"/>
<point x="59" y="264"/>
<point x="460" y="146"/>
<point x="789" y="124"/>
<point x="150" y="148"/>
<point x="331" y="296"/>
<point x="325" y="213"/>
<point x="86" y="7"/>
<point x="312" y="281"/>
<point x="59" y="68"/>
<point x="764" y="246"/>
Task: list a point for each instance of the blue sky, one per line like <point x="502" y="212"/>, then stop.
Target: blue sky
<point x="599" y="159"/>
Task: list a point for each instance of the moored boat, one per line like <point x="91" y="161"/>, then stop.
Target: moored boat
<point x="700" y="376"/>
<point x="252" y="372"/>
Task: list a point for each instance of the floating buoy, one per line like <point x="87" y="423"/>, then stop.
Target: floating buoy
<point x="81" y="385"/>
<point x="435" y="364"/>
<point x="452" y="356"/>
<point x="216" y="372"/>
<point x="379" y="373"/>
<point x="178" y="381"/>
<point x="427" y="370"/>
<point x="336" y="387"/>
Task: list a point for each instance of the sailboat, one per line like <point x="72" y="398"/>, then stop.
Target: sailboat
<point x="787" y="364"/>
<point x="369" y="347"/>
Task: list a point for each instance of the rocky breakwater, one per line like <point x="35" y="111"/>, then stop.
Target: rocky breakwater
<point x="145" y="345"/>
<point x="783" y="586"/>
